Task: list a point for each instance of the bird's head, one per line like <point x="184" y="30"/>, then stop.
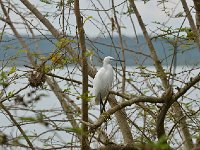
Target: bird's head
<point x="107" y="59"/>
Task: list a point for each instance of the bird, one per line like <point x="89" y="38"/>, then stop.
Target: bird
<point x="102" y="82"/>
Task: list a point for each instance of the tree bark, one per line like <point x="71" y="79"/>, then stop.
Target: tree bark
<point x="122" y="48"/>
<point x="197" y="8"/>
<point x="187" y="138"/>
<point x="81" y="34"/>
<point x="191" y="22"/>
<point x="160" y="71"/>
<point x="161" y="116"/>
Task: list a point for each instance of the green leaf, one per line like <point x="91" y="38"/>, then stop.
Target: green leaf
<point x="180" y="14"/>
<point x="66" y="90"/>
<point x="70" y="2"/>
<point x="86" y="19"/>
<point x="11" y="93"/>
<point x="12" y="70"/>
<point x="63" y="42"/>
<point x="27" y="119"/>
<point x="88" y="53"/>
<point x="46" y="1"/>
<point x="160" y="144"/>
<point x="22" y="51"/>
<point x="75" y="130"/>
<point x="3" y="75"/>
<point x="85" y="96"/>
<point x="40" y="116"/>
<point x="4" y="84"/>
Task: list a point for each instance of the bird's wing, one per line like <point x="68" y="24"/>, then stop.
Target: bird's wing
<point x="98" y="78"/>
<point x="102" y="82"/>
<point x="99" y="85"/>
<point x="109" y="77"/>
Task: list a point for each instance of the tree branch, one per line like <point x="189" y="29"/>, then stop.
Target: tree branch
<point x="120" y="106"/>
<point x="53" y="85"/>
<point x="187" y="86"/>
<point x="8" y="20"/>
<point x="197" y="8"/>
<point x="169" y="100"/>
<point x="45" y="21"/>
<point x="117" y="147"/>
<point x="84" y="112"/>
<point x="191" y="22"/>
<point x="18" y="126"/>
<point x="157" y="63"/>
<point x="125" y="129"/>
<point x="54" y="32"/>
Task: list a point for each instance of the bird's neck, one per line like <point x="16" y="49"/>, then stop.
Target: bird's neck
<point x="105" y="65"/>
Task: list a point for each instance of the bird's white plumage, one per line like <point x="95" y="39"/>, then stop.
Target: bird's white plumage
<point x="103" y="80"/>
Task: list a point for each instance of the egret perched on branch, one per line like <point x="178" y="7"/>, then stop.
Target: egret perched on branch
<point x="103" y="82"/>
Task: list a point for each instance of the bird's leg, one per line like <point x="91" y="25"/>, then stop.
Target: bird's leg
<point x="101" y="105"/>
<point x="102" y="108"/>
<point x="104" y="104"/>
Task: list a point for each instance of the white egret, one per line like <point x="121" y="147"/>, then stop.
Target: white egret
<point x="103" y="82"/>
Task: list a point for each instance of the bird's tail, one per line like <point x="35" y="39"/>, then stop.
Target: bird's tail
<point x="97" y="100"/>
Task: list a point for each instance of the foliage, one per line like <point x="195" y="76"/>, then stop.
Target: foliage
<point x="154" y="101"/>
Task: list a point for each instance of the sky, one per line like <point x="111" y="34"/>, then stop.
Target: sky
<point x="151" y="12"/>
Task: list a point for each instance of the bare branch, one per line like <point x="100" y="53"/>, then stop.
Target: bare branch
<point x="197" y="8"/>
<point x="154" y="56"/>
<point x="191" y="22"/>
<point x="18" y="126"/>
<point x="187" y="86"/>
<point x="121" y="105"/>
<point x="79" y="21"/>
